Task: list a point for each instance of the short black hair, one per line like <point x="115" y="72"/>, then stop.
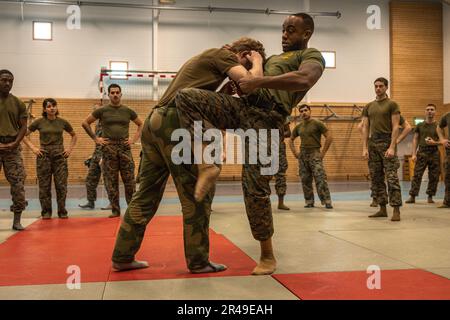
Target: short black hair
<point x="383" y="80"/>
<point x="3" y="71"/>
<point x="308" y="21"/>
<point x="114" y="85"/>
<point x="44" y="106"/>
<point x="304" y="106"/>
<point x="432" y="105"/>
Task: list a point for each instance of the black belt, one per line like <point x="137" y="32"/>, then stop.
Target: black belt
<point x="7" y="139"/>
<point x="428" y="148"/>
<point x="381" y="136"/>
<point x="266" y="104"/>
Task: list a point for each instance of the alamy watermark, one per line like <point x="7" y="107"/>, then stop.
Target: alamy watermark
<point x="374" y="281"/>
<point x="262" y="147"/>
<point x="73" y="282"/>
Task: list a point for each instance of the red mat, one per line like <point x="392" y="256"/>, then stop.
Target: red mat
<point x="42" y="253"/>
<point x="395" y="285"/>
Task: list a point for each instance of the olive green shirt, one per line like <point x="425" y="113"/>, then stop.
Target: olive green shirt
<point x="445" y="123"/>
<point x="310" y="133"/>
<point x="115" y="121"/>
<point x="380" y="114"/>
<point x="12" y="110"/>
<point x="425" y="130"/>
<point x="50" y="131"/>
<point x="204" y="71"/>
<point x="288" y="62"/>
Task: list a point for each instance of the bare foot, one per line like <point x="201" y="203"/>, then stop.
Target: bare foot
<point x="207" y="176"/>
<point x="210" y="268"/>
<point x="265" y="267"/>
<point x="120" y="266"/>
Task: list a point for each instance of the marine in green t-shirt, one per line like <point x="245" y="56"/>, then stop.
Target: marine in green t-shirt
<point x="425" y="154"/>
<point x="13" y="127"/>
<point x="310" y="157"/>
<point x="380" y="137"/>
<point x="116" y="145"/>
<point x="51" y="160"/>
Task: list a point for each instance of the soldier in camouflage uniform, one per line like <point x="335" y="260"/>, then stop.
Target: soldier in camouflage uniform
<point x="445" y="123"/>
<point x="94" y="172"/>
<point x="310" y="157"/>
<point x="52" y="157"/>
<point x="381" y="122"/>
<point x="13" y="127"/>
<point x="427" y="141"/>
<point x="406" y="129"/>
<point x="207" y="70"/>
<point x="116" y="146"/>
<point x="280" y="176"/>
<point x="287" y="78"/>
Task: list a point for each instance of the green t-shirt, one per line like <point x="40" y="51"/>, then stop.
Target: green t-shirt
<point x="310" y="133"/>
<point x="115" y="121"/>
<point x="288" y="62"/>
<point x="12" y="110"/>
<point x="204" y="71"/>
<point x="425" y="130"/>
<point x="445" y="123"/>
<point x="380" y="114"/>
<point x="51" y="131"/>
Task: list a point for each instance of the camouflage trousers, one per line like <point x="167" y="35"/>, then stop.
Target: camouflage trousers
<point x="156" y="167"/>
<point x="93" y="176"/>
<point x="12" y="164"/>
<point x="447" y="179"/>
<point x="425" y="159"/>
<point x="117" y="157"/>
<point x="52" y="164"/>
<point x="311" y="168"/>
<point x="380" y="168"/>
<point x="280" y="177"/>
<point x="223" y="111"/>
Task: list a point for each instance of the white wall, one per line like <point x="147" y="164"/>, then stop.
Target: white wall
<point x="446" y="25"/>
<point x="69" y="65"/>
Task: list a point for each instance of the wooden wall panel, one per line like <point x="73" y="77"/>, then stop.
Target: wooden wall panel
<point x="416" y="56"/>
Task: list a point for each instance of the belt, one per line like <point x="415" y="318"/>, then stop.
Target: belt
<point x="263" y="103"/>
<point x="7" y="139"/>
<point x="116" y="141"/>
<point x="428" y="148"/>
<point x="381" y="136"/>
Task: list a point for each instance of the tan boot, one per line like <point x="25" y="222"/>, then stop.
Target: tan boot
<point x="281" y="204"/>
<point x="267" y="263"/>
<point x="207" y="176"/>
<point x="396" y="216"/>
<point x="374" y="203"/>
<point x="430" y="199"/>
<point x="411" y="199"/>
<point x="16" y="222"/>
<point x="380" y="214"/>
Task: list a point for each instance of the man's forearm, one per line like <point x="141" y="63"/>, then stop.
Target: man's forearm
<point x="291" y="81"/>
<point x="394" y="136"/>
<point x="327" y="145"/>
<point x="89" y="131"/>
<point x="21" y="134"/>
<point x="137" y="134"/>
<point x="257" y="70"/>
<point x="292" y="147"/>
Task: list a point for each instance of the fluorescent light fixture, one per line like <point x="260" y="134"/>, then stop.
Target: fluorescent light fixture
<point x="330" y="59"/>
<point x="42" y="30"/>
<point x="119" y="69"/>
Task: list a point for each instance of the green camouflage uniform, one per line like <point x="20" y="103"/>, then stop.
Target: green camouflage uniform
<point x="207" y="70"/>
<point x="310" y="160"/>
<point x="427" y="156"/>
<point x="94" y="171"/>
<point x="445" y="123"/>
<point x="379" y="114"/>
<point x="12" y="110"/>
<point x="155" y="170"/>
<point x="280" y="177"/>
<point x="116" y="155"/>
<point x="266" y="109"/>
<point x="52" y="163"/>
